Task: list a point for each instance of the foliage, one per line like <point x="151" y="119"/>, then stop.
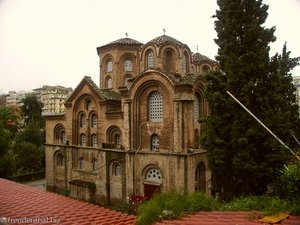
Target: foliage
<point x="31" y="133"/>
<point x="9" y="117"/>
<point x="243" y="157"/>
<point x="7" y="165"/>
<point x="171" y="205"/>
<point x="28" y="156"/>
<point x="256" y="203"/>
<point x="287" y="185"/>
<point x="32" y="109"/>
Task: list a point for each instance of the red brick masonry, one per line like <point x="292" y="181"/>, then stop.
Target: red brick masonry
<point x="22" y="204"/>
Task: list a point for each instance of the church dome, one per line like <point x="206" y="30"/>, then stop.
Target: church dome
<point x="165" y="39"/>
<point x="197" y="57"/>
<point x="121" y="42"/>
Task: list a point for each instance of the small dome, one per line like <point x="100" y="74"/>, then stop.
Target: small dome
<point x="197" y="57"/>
<point x="124" y="41"/>
<point x="166" y="39"/>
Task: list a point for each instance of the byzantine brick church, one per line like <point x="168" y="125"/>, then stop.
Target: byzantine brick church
<point x="138" y="132"/>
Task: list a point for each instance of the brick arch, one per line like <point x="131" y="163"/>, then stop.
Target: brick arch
<point x="59" y="134"/>
<point x="152" y="180"/>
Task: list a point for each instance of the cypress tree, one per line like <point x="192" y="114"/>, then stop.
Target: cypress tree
<point x="242" y="155"/>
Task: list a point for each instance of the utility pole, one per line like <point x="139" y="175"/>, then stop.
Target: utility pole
<point x="263" y="125"/>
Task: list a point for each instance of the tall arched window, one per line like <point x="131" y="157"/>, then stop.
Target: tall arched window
<point x="82" y="120"/>
<point x="94" y="140"/>
<point x="59" y="159"/>
<point x="82" y="140"/>
<point x="95" y="165"/>
<point x="116" y="169"/>
<point x="185" y="64"/>
<point x="154" y="143"/>
<point x="205" y="69"/>
<point x="81" y="163"/>
<point x="88" y="105"/>
<point x="117" y="141"/>
<point x="150" y="59"/>
<point x="127" y="65"/>
<point x="200" y="178"/>
<point x="169" y="61"/>
<point x="62" y="137"/>
<point x="94" y="121"/>
<point x="108" y="82"/>
<point x="109" y="66"/>
<point x="156" y="109"/>
<point x="196" y="108"/>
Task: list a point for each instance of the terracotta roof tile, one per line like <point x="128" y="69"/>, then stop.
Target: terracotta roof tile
<point x="18" y="201"/>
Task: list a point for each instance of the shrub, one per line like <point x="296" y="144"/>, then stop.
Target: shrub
<point x="267" y="204"/>
<point x="287" y="185"/>
<point x="172" y="205"/>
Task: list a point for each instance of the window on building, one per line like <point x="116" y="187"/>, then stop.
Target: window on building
<point x="59" y="159"/>
<point x="127" y="65"/>
<point x="82" y="120"/>
<point x="108" y="82"/>
<point x="88" y="105"/>
<point x="205" y="69"/>
<point x="150" y="59"/>
<point x="155" y="143"/>
<point x="94" y="140"/>
<point x="169" y="61"/>
<point x="109" y="66"/>
<point x="94" y="121"/>
<point x="196" y="108"/>
<point x="155" y="104"/>
<point x="81" y="163"/>
<point x="116" y="169"/>
<point x="154" y="175"/>
<point x="82" y="140"/>
<point x="185" y="64"/>
<point x="95" y="165"/>
<point x="117" y="141"/>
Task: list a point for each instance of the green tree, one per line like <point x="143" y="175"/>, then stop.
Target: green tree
<point x="31" y="133"/>
<point x="28" y="156"/>
<point x="32" y="109"/>
<point x="243" y="156"/>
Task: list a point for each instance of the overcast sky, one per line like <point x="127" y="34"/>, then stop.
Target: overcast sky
<point x="53" y="42"/>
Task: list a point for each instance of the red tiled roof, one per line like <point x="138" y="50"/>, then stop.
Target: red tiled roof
<point x="19" y="201"/>
<point x="34" y="206"/>
<point x="225" y="218"/>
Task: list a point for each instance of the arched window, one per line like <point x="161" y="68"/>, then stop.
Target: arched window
<point x="88" y="105"/>
<point x="62" y="137"/>
<point x="94" y="140"/>
<point x="117" y="141"/>
<point x="82" y="120"/>
<point x="154" y="143"/>
<point x="155" y="104"/>
<point x="154" y="175"/>
<point x="108" y="82"/>
<point x="150" y="59"/>
<point x="127" y="65"/>
<point x="116" y="169"/>
<point x="59" y="159"/>
<point x="95" y="165"/>
<point x="94" y="121"/>
<point x="81" y="163"/>
<point x="205" y="69"/>
<point x="169" y="61"/>
<point x="185" y="64"/>
<point x="82" y="140"/>
<point x="196" y="108"/>
<point x="200" y="178"/>
<point x="109" y="66"/>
